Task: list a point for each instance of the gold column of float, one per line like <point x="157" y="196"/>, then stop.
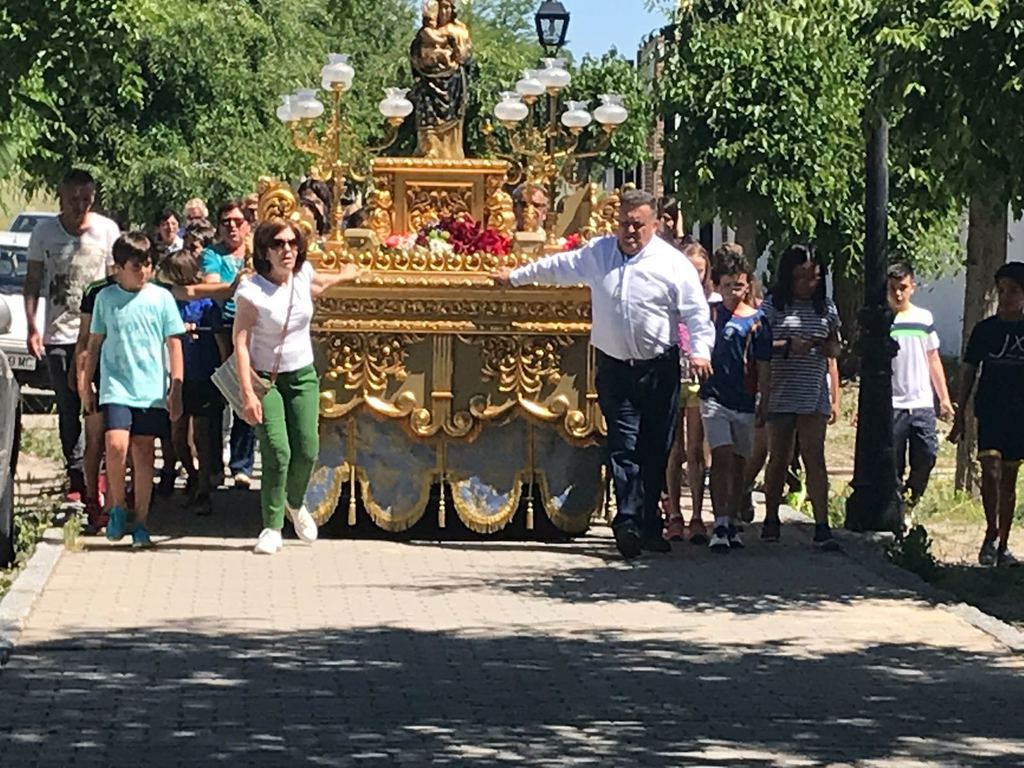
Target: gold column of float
<point x="441" y="395"/>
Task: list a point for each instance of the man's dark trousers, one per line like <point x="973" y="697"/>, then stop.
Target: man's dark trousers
<point x="914" y="432"/>
<point x="640" y="402"/>
<point x="60" y="362"/>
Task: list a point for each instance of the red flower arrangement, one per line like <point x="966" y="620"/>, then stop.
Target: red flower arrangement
<point x="465" y="235"/>
<point x="572" y="242"/>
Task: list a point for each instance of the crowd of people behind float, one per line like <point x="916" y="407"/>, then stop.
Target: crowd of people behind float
<point x="135" y="326"/>
<point x="697" y="365"/>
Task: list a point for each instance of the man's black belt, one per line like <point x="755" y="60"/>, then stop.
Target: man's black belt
<point x="641" y="362"/>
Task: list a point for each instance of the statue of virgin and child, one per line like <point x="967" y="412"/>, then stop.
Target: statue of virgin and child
<point x="441" y="57"/>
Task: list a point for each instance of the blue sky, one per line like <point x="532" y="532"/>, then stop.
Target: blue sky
<point x="597" y="25"/>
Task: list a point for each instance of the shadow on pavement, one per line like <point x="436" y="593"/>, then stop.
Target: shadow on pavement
<point x="387" y="696"/>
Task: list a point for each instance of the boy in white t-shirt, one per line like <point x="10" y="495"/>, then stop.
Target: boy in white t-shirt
<point x="918" y="379"/>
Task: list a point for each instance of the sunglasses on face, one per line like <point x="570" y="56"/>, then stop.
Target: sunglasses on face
<point x="232" y="222"/>
<point x="279" y="244"/>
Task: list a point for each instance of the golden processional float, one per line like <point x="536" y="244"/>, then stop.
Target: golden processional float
<point x="450" y="406"/>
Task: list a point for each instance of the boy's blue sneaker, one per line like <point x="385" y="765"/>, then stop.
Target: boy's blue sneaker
<point x="117" y="523"/>
<point x="140" y="537"/>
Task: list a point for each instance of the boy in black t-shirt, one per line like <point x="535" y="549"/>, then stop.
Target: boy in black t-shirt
<point x="997" y="347"/>
<point x="94" y="434"/>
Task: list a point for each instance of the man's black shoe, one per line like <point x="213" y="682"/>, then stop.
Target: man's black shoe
<point x="656" y="544"/>
<point x="627" y="539"/>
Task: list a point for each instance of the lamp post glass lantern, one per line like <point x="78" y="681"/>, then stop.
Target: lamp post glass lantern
<point x="335" y="151"/>
<point x="552" y="24"/>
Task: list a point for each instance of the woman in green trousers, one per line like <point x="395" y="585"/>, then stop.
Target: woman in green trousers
<point x="271" y="333"/>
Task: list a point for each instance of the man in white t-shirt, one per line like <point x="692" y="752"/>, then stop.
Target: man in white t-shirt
<point x="918" y="380"/>
<point x="65" y="254"/>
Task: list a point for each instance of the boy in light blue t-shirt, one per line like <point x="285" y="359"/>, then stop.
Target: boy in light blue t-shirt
<point x="132" y="324"/>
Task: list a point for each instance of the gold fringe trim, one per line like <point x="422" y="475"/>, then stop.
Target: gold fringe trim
<point x="394" y="522"/>
<point x="328" y="506"/>
<point x="490" y="523"/>
<point x="568" y="524"/>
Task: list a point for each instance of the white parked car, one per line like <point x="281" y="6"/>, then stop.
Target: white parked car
<point x="23" y="224"/>
<point x="13" y="341"/>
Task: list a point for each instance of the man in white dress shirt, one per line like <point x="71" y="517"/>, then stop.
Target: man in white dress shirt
<point x="641" y="288"/>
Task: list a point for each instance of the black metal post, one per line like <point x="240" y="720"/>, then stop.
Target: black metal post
<point x="875" y="503"/>
<point x="707" y="236"/>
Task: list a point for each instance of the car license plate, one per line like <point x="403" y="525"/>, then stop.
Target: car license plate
<point x="22" y="362"/>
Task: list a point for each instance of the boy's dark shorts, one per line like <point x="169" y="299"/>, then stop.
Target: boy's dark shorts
<point x="140" y="422"/>
<point x="1001" y="438"/>
<point x="201" y="398"/>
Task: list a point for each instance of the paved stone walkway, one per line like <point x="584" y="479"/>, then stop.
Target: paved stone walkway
<point x="493" y="654"/>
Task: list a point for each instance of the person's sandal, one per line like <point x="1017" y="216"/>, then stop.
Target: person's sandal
<point x="697" y="533"/>
<point x="675" y="529"/>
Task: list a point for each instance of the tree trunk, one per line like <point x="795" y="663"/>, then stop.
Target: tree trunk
<point x="986" y="252"/>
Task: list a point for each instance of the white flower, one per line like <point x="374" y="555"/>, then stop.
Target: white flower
<point x="439" y="247"/>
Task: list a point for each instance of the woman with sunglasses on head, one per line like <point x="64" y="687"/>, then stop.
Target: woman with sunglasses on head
<point x="221" y="264"/>
<point x="805" y="330"/>
<point x="271" y="335"/>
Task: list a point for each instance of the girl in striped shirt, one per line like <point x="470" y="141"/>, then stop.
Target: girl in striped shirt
<point x="805" y="333"/>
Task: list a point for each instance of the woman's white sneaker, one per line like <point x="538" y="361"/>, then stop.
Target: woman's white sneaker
<point x="268" y="543"/>
<point x="305" y="525"/>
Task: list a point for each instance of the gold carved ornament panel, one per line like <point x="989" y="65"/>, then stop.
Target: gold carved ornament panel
<point x="365" y="364"/>
<point x="427" y="203"/>
<point x="522" y="366"/>
<point x="426" y="314"/>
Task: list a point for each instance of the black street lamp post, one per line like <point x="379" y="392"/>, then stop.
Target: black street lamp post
<point x="875" y="502"/>
<point x="552" y="22"/>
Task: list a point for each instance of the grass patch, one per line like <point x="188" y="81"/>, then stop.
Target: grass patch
<point x="30" y="522"/>
<point x="43" y="442"/>
<point x="13" y="199"/>
<point x="943" y="546"/>
<point x="996" y="591"/>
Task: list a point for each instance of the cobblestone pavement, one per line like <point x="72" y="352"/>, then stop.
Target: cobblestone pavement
<point x="492" y="654"/>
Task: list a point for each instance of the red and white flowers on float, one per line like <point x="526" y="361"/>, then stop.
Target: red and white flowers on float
<point x="458" y="235"/>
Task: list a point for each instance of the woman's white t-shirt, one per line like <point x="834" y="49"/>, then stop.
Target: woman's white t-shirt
<point x="271" y="302"/>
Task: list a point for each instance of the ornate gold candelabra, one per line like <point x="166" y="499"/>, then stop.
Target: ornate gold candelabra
<point x="545" y="143"/>
<point x="338" y="156"/>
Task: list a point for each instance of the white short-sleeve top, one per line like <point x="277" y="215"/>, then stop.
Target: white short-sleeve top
<point x="268" y="338"/>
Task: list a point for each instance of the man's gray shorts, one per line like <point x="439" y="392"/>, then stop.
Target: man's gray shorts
<point x="724" y="426"/>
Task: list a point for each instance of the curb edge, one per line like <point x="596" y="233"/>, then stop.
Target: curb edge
<point x="17" y="604"/>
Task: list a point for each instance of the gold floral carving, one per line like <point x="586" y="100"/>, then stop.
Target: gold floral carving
<point x="484" y="313"/>
<point x="476" y="165"/>
<point x="421" y="261"/>
<point x="499" y="215"/>
<point x="522" y="364"/>
<point x="365" y="362"/>
<point x="604" y="216"/>
<point x="381" y="218"/>
<point x="277" y="200"/>
<point x="428" y="203"/>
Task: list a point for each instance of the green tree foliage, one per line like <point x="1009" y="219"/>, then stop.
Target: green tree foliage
<point x="612" y="73"/>
<point x="955" y="69"/>
<point x="166" y="99"/>
<point x="769" y="99"/>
